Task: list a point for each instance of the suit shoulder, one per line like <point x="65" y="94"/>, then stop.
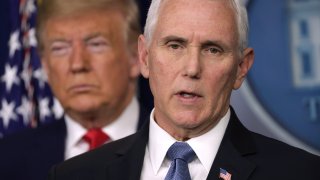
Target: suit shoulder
<point x="28" y="137"/>
<point x="275" y="149"/>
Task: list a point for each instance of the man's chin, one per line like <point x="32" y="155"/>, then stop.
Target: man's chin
<point x="84" y="108"/>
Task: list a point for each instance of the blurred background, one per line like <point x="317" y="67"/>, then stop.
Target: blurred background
<point x="280" y="98"/>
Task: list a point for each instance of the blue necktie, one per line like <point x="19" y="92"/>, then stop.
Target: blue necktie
<point x="180" y="153"/>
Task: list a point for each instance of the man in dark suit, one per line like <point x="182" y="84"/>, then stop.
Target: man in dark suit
<point x="194" y="53"/>
<point x="89" y="52"/>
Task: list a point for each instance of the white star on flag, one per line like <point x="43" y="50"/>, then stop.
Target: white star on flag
<point x="44" y="108"/>
<point x="30" y="7"/>
<point x="25" y="110"/>
<point x="32" y="38"/>
<point x="41" y="76"/>
<point x="14" y="43"/>
<point x="7" y="113"/>
<point x="57" y="109"/>
<point x="10" y="77"/>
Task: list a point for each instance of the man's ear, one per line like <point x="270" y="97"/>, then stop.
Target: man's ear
<point x="143" y="56"/>
<point x="244" y="67"/>
<point x="134" y="61"/>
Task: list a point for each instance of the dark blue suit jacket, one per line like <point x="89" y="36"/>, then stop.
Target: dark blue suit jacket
<point x="244" y="154"/>
<point x="30" y="155"/>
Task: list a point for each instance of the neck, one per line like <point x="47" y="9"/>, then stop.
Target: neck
<point x="100" y="117"/>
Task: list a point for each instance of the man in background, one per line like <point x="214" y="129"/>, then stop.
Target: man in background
<point x="88" y="50"/>
<point x="194" y="53"/>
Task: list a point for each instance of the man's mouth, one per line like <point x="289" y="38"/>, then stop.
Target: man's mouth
<point x="188" y="95"/>
<point x="82" y="88"/>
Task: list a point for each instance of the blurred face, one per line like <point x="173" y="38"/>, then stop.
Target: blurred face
<point x="90" y="66"/>
<point x="193" y="64"/>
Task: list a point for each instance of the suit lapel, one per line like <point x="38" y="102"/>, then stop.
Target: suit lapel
<point x="129" y="161"/>
<point x="236" y="144"/>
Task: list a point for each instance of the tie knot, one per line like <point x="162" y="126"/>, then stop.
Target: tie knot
<point x="181" y="150"/>
<point x="95" y="137"/>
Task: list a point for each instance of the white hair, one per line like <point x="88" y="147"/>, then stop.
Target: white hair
<point x="237" y="5"/>
<point x="152" y="18"/>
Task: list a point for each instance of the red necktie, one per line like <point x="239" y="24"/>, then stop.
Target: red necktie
<point x="95" y="137"/>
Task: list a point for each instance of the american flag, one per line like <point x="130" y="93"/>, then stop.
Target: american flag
<point x="25" y="97"/>
<point x="224" y="174"/>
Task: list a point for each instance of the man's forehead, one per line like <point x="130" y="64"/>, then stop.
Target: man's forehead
<point x="181" y="2"/>
<point x="202" y="22"/>
<point x="168" y="8"/>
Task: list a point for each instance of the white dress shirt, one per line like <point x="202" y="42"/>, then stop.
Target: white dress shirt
<point x="156" y="165"/>
<point x="125" y="125"/>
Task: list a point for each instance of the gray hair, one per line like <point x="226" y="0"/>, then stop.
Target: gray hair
<point x="237" y="5"/>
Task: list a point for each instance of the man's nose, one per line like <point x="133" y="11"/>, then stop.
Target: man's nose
<point x="79" y="61"/>
<point x="192" y="63"/>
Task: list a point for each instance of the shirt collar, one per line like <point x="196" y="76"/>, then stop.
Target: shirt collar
<point x="205" y="146"/>
<point x="75" y="132"/>
<point x="125" y="125"/>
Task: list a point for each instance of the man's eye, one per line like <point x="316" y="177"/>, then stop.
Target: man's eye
<point x="174" y="45"/>
<point x="212" y="50"/>
<point x="97" y="46"/>
<point x="59" y="49"/>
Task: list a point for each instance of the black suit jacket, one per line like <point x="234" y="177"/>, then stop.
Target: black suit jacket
<point x="244" y="154"/>
<point x="31" y="154"/>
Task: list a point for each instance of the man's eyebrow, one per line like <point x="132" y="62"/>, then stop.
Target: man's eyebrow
<point x="212" y="43"/>
<point x="57" y="39"/>
<point x="208" y="43"/>
<point x="173" y="38"/>
<point x="92" y="36"/>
